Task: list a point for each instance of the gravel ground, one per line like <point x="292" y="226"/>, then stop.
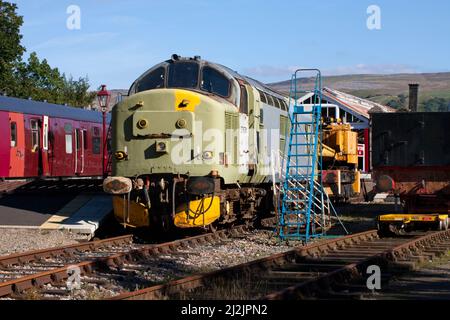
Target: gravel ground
<point x="199" y="259"/>
<point x="431" y="282"/>
<point x="20" y="240"/>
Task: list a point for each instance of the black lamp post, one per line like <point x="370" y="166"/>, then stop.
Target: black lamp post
<point x="103" y="97"/>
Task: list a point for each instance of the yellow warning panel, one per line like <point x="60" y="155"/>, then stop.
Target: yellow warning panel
<point x="199" y="214"/>
<point x="132" y="214"/>
<point x="186" y="100"/>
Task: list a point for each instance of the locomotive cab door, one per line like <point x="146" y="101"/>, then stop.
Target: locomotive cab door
<point x="79" y="150"/>
<point x="17" y="145"/>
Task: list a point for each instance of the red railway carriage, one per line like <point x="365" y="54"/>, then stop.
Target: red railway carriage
<point x="39" y="139"/>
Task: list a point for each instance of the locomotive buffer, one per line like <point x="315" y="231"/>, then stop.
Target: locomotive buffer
<point x="305" y="211"/>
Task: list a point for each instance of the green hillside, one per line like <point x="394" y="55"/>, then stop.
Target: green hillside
<point x="392" y="90"/>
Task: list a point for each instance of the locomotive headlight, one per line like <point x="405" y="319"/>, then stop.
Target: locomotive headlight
<point x="120" y="155"/>
<point x="208" y="155"/>
<point x="181" y="123"/>
<point x="161" y="146"/>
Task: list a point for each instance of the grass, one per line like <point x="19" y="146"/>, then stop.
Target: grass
<point x="235" y="288"/>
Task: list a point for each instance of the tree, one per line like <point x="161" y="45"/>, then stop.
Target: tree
<point x="10" y="48"/>
<point x="435" y="104"/>
<point x="34" y="79"/>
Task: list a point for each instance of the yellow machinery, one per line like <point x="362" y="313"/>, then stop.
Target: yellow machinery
<point x="340" y="175"/>
<point x="401" y="223"/>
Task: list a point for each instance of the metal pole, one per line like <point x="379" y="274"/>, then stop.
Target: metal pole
<point x="104" y="143"/>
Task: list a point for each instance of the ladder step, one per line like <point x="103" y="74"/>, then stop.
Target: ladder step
<point x="300" y="166"/>
<point x="302" y="133"/>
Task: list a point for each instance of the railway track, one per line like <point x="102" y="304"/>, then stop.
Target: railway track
<point x="323" y="269"/>
<point x="46" y="271"/>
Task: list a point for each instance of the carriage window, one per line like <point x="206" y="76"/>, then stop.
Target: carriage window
<point x="153" y="80"/>
<point x="85" y="142"/>
<point x="270" y="100"/>
<point x="96" y="145"/>
<point x="96" y="131"/>
<point x="183" y="75"/>
<point x="68" y="128"/>
<point x="13" y="134"/>
<point x="68" y="131"/>
<point x="213" y="81"/>
<point x="45" y="140"/>
<point x="277" y="103"/>
<point x="34" y="134"/>
<point x="262" y="96"/>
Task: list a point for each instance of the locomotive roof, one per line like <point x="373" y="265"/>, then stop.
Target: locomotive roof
<point x="49" y="109"/>
<point x="255" y="83"/>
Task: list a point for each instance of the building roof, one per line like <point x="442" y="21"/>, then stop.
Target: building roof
<point x="12" y="104"/>
<point x="358" y="105"/>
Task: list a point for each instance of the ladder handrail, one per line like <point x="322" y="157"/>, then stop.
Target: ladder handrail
<point x="304" y="204"/>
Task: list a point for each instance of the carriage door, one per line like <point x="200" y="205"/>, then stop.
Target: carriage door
<point x="79" y="150"/>
<point x="45" y="168"/>
<point x="17" y="143"/>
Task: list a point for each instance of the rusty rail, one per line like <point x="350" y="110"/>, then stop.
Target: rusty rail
<point x="192" y="282"/>
<point x="400" y="253"/>
<point x="57" y="275"/>
<point x="383" y="252"/>
<point x="30" y="256"/>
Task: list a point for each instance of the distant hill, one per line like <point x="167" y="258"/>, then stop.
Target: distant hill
<point x="392" y="90"/>
<point x="434" y="91"/>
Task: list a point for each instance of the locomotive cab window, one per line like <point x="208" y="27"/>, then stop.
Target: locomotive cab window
<point x="183" y="75"/>
<point x="244" y="100"/>
<point x="214" y="82"/>
<point x="13" y="134"/>
<point x="152" y="80"/>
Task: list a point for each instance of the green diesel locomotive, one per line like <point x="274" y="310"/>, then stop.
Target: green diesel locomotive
<point x="195" y="145"/>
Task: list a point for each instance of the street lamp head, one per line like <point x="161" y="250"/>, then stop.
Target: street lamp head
<point x="103" y="97"/>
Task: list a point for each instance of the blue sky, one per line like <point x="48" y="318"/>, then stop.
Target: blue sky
<point x="267" y="40"/>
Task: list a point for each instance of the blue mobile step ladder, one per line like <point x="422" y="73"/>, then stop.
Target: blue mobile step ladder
<point x="305" y="209"/>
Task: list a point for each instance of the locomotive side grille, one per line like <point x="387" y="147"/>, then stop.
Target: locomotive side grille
<point x="231" y="129"/>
